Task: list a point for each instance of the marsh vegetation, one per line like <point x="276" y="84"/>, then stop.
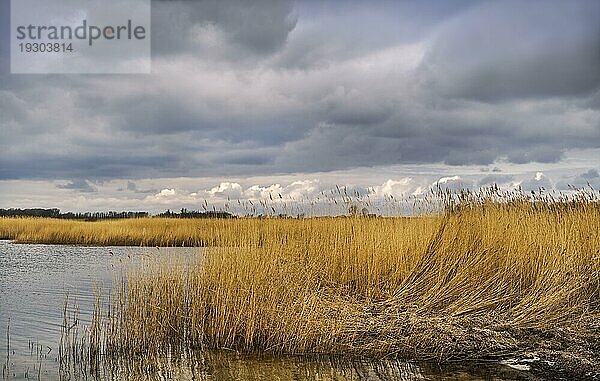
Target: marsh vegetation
<point x="489" y="275"/>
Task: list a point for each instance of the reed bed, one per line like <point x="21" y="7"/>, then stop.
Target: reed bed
<point x="488" y="276"/>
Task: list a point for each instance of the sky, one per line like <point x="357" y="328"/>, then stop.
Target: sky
<point x="247" y="99"/>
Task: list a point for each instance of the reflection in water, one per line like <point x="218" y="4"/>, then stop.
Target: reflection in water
<point x="231" y="366"/>
<point x="34" y="280"/>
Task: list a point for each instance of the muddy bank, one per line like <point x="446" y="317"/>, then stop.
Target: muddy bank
<point x="569" y="351"/>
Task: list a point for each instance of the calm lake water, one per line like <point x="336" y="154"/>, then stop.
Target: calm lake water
<point x="34" y="280"/>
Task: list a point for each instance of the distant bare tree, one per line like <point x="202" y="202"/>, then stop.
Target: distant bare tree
<point x="353" y="210"/>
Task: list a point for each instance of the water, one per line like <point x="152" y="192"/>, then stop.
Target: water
<point x="35" y="279"/>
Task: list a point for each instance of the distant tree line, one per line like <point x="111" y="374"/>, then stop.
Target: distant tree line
<point x="103" y="215"/>
<point x="184" y="213"/>
<point x="55" y="213"/>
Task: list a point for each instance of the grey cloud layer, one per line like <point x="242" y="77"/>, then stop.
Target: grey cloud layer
<point x="222" y="29"/>
<point x="509" y="49"/>
<point x="244" y="88"/>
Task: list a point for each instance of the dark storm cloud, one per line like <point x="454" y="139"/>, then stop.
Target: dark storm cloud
<point x="80" y="185"/>
<point x="247" y="159"/>
<point x="123" y="164"/>
<point x="337" y="30"/>
<point x="132" y="187"/>
<point x="223" y="29"/>
<point x="156" y="114"/>
<point x="538" y="154"/>
<point x="170" y="114"/>
<point x="246" y="88"/>
<point x="506" y="49"/>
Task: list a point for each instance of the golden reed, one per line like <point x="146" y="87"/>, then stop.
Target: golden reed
<point x="491" y="274"/>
